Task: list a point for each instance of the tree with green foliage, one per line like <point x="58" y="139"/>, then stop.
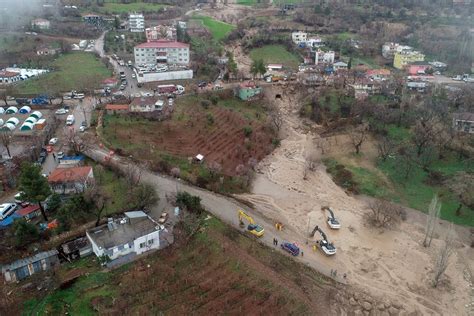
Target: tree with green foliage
<point x="54" y="202"/>
<point x="231" y="64"/>
<point x="77" y="209"/>
<point x="144" y="196"/>
<point x="25" y="232"/>
<point x="34" y="186"/>
<point x="190" y="202"/>
<point x="349" y="63"/>
<point x="258" y="67"/>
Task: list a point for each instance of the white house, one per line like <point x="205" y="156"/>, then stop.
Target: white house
<point x="464" y="122"/>
<point x="324" y="57"/>
<point x="160" y="32"/>
<point x="314" y="42"/>
<point x="299" y="37"/>
<point x="162" y="51"/>
<point x="41" y="24"/>
<point x="132" y="235"/>
<point x="8" y="77"/>
<point x="136" y="22"/>
<point x="146" y="104"/>
<point x="340" y="65"/>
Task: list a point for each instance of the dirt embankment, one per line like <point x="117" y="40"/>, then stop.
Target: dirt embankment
<point x="392" y="265"/>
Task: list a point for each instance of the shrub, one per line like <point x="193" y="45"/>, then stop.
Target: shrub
<point x="205" y="104"/>
<point x="214" y="99"/>
<point x="190" y="202"/>
<point x="247" y="131"/>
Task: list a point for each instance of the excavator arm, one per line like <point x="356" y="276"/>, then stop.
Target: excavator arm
<point x="243" y="215"/>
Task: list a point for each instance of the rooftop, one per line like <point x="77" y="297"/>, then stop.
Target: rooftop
<point x="163" y="44"/>
<point x="23" y="262"/>
<point x="465" y="116"/>
<point x="69" y="174"/>
<point x="144" y="101"/>
<point x="120" y="232"/>
<point x="117" y="107"/>
<point x="7" y="74"/>
<point x="28" y="210"/>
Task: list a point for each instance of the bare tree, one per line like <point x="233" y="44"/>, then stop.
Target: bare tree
<point x="98" y="198"/>
<point x="433" y="215"/>
<point x="310" y="163"/>
<point x="275" y="116"/>
<point x="385" y="147"/>
<point x="132" y="175"/>
<point x="442" y="258"/>
<point x="462" y="185"/>
<point x="214" y="167"/>
<point x="424" y="133"/>
<point x="175" y="172"/>
<point x="357" y="136"/>
<point x="6" y="139"/>
<point x="384" y="213"/>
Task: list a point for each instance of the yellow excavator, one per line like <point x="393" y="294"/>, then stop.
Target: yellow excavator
<point x="253" y="228"/>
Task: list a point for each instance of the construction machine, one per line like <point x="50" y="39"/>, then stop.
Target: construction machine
<point x="332" y="221"/>
<point x="328" y="248"/>
<point x="253" y="228"/>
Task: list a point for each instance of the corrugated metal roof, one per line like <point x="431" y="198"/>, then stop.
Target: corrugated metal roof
<point x="135" y="214"/>
<point x="26" y="261"/>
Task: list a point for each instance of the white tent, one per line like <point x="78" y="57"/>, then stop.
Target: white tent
<point x="1" y="122"/>
<point x="8" y="127"/>
<point x="12" y="110"/>
<point x="2" y="110"/>
<point x="31" y="119"/>
<point x="37" y="115"/>
<point x="27" y="126"/>
<point x="13" y="120"/>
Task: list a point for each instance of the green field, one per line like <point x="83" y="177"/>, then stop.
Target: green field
<point x="120" y="8"/>
<point x="218" y="29"/>
<point x="73" y="71"/>
<point x="276" y="54"/>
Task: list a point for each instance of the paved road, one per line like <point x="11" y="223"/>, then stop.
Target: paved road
<point x="222" y="207"/>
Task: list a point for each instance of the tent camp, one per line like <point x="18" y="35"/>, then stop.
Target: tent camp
<point x="13" y="120"/>
<point x="25" y="109"/>
<point x="37" y="115"/>
<point x="8" y="127"/>
<point x="2" y="110"/>
<point x="31" y="119"/>
<point x="12" y="110"/>
<point x="27" y="126"/>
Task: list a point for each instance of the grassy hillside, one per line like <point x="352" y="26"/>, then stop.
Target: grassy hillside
<point x="218" y="270"/>
<point x="218" y="29"/>
<point x="276" y="54"/>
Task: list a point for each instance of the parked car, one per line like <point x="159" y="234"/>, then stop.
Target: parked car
<point x="291" y="248"/>
<point x="53" y="141"/>
<point x="60" y="155"/>
<point x="163" y="218"/>
<point x="41" y="160"/>
<point x="19" y="197"/>
<point x="134" y="76"/>
<point x="61" y="111"/>
<point x="82" y="129"/>
<point x="202" y="84"/>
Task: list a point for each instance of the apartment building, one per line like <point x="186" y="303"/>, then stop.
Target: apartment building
<point x="136" y="22"/>
<point x="162" y="52"/>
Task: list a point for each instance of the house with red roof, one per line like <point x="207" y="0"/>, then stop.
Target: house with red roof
<point x="29" y="212"/>
<point x="116" y="108"/>
<point x="8" y="77"/>
<point x="162" y="52"/>
<point x="71" y="180"/>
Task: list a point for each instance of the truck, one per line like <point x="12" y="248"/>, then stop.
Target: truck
<point x="170" y="89"/>
<point x="70" y="120"/>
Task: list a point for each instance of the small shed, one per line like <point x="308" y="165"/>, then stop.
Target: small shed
<point x="75" y="249"/>
<point x="2" y="110"/>
<point x="31" y="119"/>
<point x="40" y="124"/>
<point x="8" y="127"/>
<point x="29" y="212"/>
<point x="27" y="126"/>
<point x="37" y="114"/>
<point x="25" y="109"/>
<point x="11" y="110"/>
<point x="23" y="268"/>
<point x="13" y="120"/>
<point x="199" y="158"/>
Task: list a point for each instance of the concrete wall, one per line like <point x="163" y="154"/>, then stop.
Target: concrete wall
<point x="164" y="76"/>
<point x="155" y="236"/>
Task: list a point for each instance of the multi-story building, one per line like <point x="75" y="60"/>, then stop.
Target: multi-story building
<point x="324" y="57"/>
<point x="162" y="52"/>
<point x="136" y="22"/>
<point x="40" y="24"/>
<point x="389" y="49"/>
<point x="299" y="37"/>
<point x="403" y="58"/>
<point x="160" y="32"/>
<point x="463" y="122"/>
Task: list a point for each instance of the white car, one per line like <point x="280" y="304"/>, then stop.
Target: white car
<point x="61" y="111"/>
<point x="60" y="155"/>
<point x="7" y="209"/>
<point x="82" y="128"/>
<point x="134" y="76"/>
<point x="53" y="141"/>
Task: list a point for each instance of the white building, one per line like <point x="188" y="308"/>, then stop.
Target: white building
<point x="8" y="77"/>
<point x="162" y="52"/>
<point x="324" y="57"/>
<point x="299" y="37"/>
<point x="389" y="49"/>
<point x="41" y="24"/>
<point x="160" y="32"/>
<point x="146" y="104"/>
<point x="136" y="22"/>
<point x="314" y="42"/>
<point x="130" y="236"/>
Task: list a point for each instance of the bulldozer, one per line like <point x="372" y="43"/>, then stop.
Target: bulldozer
<point x="252" y="228"/>
<point x="332" y="221"/>
<point x="328" y="248"/>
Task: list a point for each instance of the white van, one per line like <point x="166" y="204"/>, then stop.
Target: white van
<point x="70" y="120"/>
<point x="7" y="209"/>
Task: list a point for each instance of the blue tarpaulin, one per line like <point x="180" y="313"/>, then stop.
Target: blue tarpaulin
<point x="9" y="220"/>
